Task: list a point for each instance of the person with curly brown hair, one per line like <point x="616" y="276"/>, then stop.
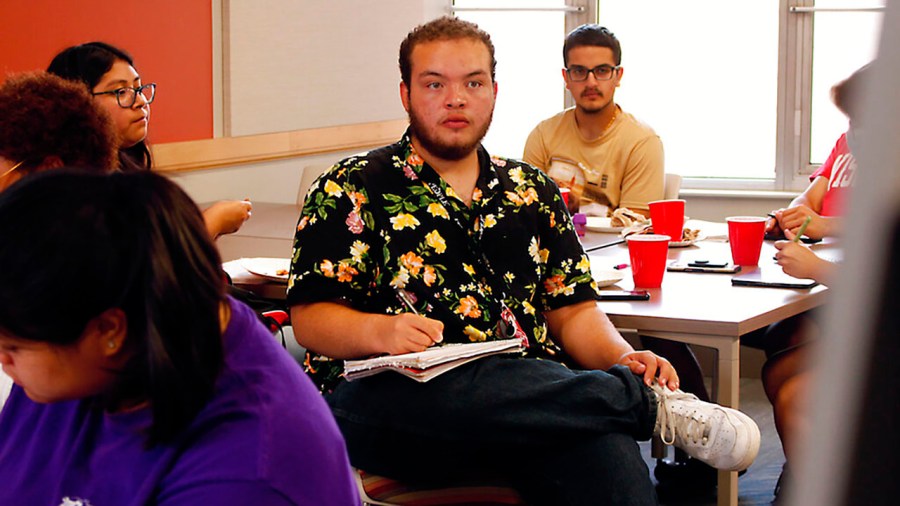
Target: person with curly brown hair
<point x="48" y="122"/>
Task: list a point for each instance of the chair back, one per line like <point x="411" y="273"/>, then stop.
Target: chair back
<point x="672" y="186"/>
<point x="310" y="173"/>
<point x="377" y="490"/>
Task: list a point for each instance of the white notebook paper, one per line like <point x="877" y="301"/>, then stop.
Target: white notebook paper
<point x="424" y="365"/>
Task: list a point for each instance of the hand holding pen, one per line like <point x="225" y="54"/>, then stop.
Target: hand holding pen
<point x="802" y="229"/>
<point x="796" y="259"/>
<point x="410" y="331"/>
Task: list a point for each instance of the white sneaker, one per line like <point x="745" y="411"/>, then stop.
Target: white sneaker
<point x="722" y="437"/>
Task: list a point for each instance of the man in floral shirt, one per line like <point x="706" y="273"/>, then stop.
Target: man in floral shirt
<point x="466" y="237"/>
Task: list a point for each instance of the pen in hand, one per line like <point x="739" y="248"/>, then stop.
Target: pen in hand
<point x="406" y="300"/>
<point x="802" y="229"/>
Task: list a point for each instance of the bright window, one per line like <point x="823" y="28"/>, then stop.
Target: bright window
<point x="739" y="92"/>
<point x="843" y="42"/>
<point x="528" y="48"/>
<point x="704" y="75"/>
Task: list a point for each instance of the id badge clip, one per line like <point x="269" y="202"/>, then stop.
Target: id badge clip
<point x="509" y="326"/>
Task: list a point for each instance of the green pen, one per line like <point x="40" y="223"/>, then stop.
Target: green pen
<point x="802" y="229"/>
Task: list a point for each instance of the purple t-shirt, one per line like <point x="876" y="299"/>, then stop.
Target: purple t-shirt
<point x="266" y="437"/>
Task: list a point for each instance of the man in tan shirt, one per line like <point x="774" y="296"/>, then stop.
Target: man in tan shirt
<point x="607" y="157"/>
<point x="609" y="160"/>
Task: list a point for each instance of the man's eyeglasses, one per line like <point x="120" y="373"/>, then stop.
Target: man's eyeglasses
<point x="126" y="97"/>
<point x="601" y="72"/>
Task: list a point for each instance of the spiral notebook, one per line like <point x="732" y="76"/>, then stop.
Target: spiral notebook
<point x="425" y="365"/>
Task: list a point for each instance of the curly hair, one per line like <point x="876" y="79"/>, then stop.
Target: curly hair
<point x="44" y="117"/>
<point x="443" y="28"/>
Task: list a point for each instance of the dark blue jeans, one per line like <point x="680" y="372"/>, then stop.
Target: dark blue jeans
<point x="559" y="436"/>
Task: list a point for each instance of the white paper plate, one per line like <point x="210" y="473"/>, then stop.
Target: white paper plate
<point x="604" y="277"/>
<point x="682" y="244"/>
<point x="601" y="224"/>
<point x="269" y="268"/>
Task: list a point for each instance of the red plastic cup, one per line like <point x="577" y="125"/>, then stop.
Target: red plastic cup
<point x="745" y="234"/>
<point x="565" y="195"/>
<point x="648" y="253"/>
<point x="668" y="217"/>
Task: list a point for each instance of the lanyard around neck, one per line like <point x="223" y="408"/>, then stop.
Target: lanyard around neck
<point x="472" y="242"/>
<point x="507" y="324"/>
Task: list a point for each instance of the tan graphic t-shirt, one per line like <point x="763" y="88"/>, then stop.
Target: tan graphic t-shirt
<point x="624" y="167"/>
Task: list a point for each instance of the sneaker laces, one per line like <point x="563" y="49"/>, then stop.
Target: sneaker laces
<point x="690" y="427"/>
<point x="722" y="437"/>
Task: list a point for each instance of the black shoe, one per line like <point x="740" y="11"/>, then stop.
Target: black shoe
<point x="687" y="481"/>
<point x="781" y="483"/>
<point x="690" y="474"/>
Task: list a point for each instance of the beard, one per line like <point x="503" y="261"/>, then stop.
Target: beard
<point x="452" y="151"/>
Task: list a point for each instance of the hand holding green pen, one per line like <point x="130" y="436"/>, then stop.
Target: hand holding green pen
<point x="802" y="229"/>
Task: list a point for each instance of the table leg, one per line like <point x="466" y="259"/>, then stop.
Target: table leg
<point x="727" y="382"/>
<point x="729" y="395"/>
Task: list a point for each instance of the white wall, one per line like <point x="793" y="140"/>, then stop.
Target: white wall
<point x="712" y="207"/>
<point x="293" y="65"/>
<point x="276" y="181"/>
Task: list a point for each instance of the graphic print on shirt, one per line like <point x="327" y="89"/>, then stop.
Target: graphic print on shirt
<point x="842" y="171"/>
<point x="74" y="501"/>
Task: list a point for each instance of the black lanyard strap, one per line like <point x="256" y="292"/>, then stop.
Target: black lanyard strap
<point x="472" y="243"/>
<point x="507" y="324"/>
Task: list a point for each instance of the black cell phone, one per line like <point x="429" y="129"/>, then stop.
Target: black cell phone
<point x="624" y="295"/>
<point x="707" y="263"/>
<point x="724" y="268"/>
<point x="780" y="237"/>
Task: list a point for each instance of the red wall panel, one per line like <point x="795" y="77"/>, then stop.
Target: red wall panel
<point x="170" y="40"/>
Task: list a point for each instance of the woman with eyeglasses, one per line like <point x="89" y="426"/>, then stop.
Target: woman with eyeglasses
<point x="111" y="77"/>
<point x="137" y="379"/>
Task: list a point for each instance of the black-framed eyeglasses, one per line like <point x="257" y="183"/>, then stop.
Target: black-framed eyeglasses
<point x="601" y="72"/>
<point x="126" y="97"/>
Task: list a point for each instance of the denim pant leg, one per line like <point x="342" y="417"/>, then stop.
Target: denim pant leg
<point x="575" y="475"/>
<point x="501" y="417"/>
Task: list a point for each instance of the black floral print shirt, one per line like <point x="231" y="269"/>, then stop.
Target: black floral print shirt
<point x="385" y="220"/>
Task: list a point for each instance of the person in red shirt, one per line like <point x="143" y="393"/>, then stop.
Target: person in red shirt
<point x="786" y="374"/>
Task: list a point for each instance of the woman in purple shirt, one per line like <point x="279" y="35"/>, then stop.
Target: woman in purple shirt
<point x="137" y="380"/>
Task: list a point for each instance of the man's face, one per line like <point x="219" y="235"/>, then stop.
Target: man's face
<point x="591" y="95"/>
<point x="450" y="98"/>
